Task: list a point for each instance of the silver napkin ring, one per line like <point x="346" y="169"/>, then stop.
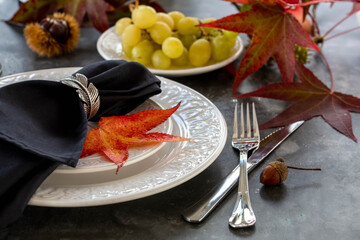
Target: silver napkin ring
<point x="88" y="93"/>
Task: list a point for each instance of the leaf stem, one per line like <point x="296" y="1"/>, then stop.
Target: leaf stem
<point x="344" y="32"/>
<point x="315" y="24"/>
<point x="304" y="4"/>
<point x="330" y="72"/>
<point x="337" y="24"/>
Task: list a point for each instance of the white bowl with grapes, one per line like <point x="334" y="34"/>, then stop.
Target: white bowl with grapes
<point x="169" y="44"/>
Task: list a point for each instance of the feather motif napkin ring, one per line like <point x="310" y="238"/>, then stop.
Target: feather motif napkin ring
<point x="88" y="93"/>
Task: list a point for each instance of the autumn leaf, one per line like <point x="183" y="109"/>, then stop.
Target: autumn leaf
<point x="300" y="14"/>
<point x="274" y="31"/>
<point x="34" y="11"/>
<point x="230" y="68"/>
<point x="114" y="149"/>
<point x="128" y="125"/>
<point x="101" y="13"/>
<point x="95" y="9"/>
<point x="116" y="134"/>
<point x="93" y="143"/>
<point x="355" y="8"/>
<point x="310" y="98"/>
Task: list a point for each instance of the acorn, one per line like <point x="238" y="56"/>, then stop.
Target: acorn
<point x="277" y="172"/>
<point x="54" y="35"/>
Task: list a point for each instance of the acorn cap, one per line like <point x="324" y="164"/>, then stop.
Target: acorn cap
<point x="281" y="168"/>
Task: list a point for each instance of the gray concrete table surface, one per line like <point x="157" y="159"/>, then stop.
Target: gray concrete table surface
<point x="309" y="205"/>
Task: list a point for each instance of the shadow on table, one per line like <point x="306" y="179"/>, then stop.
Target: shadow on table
<point x="273" y="193"/>
<point x="243" y="232"/>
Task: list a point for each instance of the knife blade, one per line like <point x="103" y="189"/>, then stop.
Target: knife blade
<point x="197" y="212"/>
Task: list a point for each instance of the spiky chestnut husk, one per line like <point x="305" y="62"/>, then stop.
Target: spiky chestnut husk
<point x="49" y="39"/>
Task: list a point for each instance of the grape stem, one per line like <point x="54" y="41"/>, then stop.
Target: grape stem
<point x="131" y="7"/>
<point x="203" y="32"/>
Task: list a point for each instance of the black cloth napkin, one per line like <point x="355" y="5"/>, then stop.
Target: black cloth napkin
<point x="43" y="125"/>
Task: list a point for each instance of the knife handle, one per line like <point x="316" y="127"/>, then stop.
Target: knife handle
<point x="202" y="208"/>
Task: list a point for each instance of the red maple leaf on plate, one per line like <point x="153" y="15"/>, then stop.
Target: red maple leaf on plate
<point x="274" y="31"/>
<point x="116" y="133"/>
<point x="310" y="98"/>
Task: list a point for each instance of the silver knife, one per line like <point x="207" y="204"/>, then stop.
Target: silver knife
<point x="202" y="208"/>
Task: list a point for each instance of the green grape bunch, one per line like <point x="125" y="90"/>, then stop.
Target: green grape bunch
<point x="172" y="40"/>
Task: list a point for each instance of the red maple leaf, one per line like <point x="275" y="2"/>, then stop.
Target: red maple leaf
<point x="274" y="31"/>
<point x="310" y="98"/>
<point x="116" y="133"/>
<point x="95" y="9"/>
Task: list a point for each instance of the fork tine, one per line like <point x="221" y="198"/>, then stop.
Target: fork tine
<point x="248" y="125"/>
<point x="255" y="122"/>
<point x="235" y="127"/>
<point x="242" y="130"/>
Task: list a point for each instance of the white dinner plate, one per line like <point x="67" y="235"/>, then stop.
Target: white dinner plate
<point x="173" y="164"/>
<point x="109" y="47"/>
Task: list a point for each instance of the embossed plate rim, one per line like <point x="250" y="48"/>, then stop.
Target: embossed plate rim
<point x="176" y="169"/>
<point x="237" y="50"/>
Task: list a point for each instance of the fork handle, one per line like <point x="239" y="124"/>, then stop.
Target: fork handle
<point x="197" y="212"/>
<point x="243" y="214"/>
<point x="201" y="209"/>
<point x="243" y="178"/>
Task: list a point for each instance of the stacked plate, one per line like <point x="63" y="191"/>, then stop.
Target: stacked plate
<point x="148" y="170"/>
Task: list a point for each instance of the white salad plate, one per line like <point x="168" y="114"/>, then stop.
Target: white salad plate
<point x="148" y="170"/>
<point x="109" y="47"/>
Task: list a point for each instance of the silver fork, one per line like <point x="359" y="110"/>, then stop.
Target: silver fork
<point x="243" y="214"/>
